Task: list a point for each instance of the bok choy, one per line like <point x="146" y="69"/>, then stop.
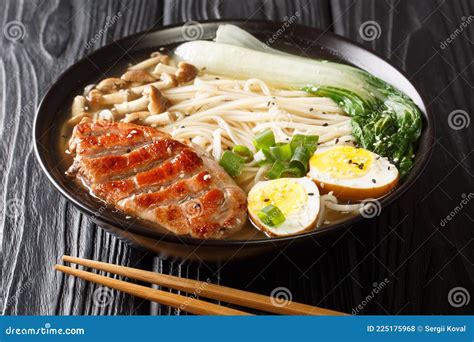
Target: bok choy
<point x="384" y="120"/>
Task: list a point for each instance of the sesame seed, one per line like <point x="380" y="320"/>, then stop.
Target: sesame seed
<point x="337" y="140"/>
<point x="311" y="109"/>
<point x="374" y="181"/>
<point x="266" y="200"/>
<point x="310" y="193"/>
<point x="325" y="124"/>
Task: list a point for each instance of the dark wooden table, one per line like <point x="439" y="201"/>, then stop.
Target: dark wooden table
<point x="419" y="257"/>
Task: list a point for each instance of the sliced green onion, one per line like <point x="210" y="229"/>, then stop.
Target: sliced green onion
<point x="281" y="152"/>
<point x="232" y="163"/>
<point x="280" y="169"/>
<point x="308" y="141"/>
<point x="311" y="143"/>
<point x="271" y="215"/>
<point x="243" y="151"/>
<point x="261" y="158"/>
<point x="264" y="140"/>
<point x="264" y="219"/>
<point x="300" y="158"/>
<point x="292" y="172"/>
<point x="276" y="170"/>
<point x="268" y="155"/>
<point x="297" y="140"/>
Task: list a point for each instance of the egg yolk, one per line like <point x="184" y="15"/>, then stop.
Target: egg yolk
<point x="287" y="195"/>
<point x="343" y="162"/>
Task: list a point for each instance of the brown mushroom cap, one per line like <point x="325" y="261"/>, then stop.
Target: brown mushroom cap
<point x="111" y="84"/>
<point x="169" y="79"/>
<point x="158" y="101"/>
<point x="94" y="98"/>
<point x="186" y="72"/>
<point x="163" y="58"/>
<point x="139" y="76"/>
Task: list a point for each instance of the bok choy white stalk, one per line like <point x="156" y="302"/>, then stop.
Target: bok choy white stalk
<point x="384" y="120"/>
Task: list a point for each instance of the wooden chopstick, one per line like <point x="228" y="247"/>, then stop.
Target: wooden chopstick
<point x="188" y="304"/>
<point x="207" y="290"/>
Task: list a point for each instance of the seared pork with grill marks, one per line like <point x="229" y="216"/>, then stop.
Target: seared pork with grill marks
<point x="148" y="174"/>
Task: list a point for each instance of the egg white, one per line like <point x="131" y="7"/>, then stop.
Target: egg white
<point x="302" y="219"/>
<point x="381" y="177"/>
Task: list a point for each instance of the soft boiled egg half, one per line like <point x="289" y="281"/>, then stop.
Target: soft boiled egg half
<point x="284" y="206"/>
<point x="352" y="173"/>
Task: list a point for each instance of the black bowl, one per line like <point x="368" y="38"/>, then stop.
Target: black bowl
<point x="51" y="114"/>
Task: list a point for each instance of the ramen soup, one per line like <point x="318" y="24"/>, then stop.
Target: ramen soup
<point x="311" y="143"/>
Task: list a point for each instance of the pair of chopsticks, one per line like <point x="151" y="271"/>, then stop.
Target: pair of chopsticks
<point x="188" y="304"/>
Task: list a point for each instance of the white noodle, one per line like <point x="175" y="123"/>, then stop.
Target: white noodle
<point x="221" y="113"/>
<point x="329" y="201"/>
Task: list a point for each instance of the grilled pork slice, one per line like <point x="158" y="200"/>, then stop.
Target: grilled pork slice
<point x="146" y="173"/>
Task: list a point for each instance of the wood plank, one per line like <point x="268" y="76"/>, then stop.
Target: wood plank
<point x="410" y="36"/>
<point x="406" y="244"/>
<point x="47" y="226"/>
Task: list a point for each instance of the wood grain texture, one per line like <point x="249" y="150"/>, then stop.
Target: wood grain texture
<point x="421" y="259"/>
